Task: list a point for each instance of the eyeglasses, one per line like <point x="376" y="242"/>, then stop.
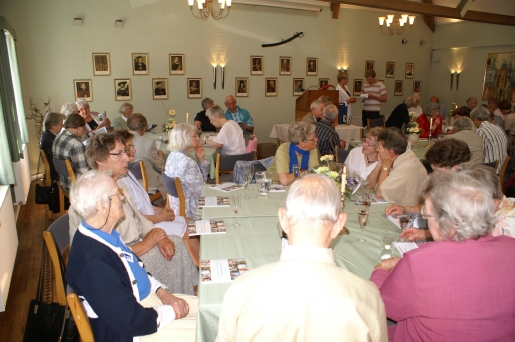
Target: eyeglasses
<point x="120" y="194"/>
<point x="423" y="213"/>
<point x="122" y="152"/>
<point x="368" y="143"/>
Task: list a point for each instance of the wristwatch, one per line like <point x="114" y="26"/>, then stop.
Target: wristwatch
<point x="386" y="168"/>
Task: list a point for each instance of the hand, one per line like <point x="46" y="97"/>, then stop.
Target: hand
<point x="342" y="143"/>
<point x="199" y="152"/>
<point x="390" y="264"/>
<point x="167" y="214"/>
<point x="244" y="126"/>
<point x="394" y="209"/>
<point x="167" y="248"/>
<point x="414" y="234"/>
<point x="108" y="122"/>
<point x="180" y="306"/>
<point x="452" y="131"/>
<point x="351" y="100"/>
<point x="436" y="123"/>
<point x="385" y="157"/>
<point x="160" y="154"/>
<point x="154" y="236"/>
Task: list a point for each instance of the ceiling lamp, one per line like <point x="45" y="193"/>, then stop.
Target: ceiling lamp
<point x="213" y="8"/>
<point x="392" y="24"/>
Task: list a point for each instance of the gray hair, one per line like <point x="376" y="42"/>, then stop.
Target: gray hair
<point x="460" y="203"/>
<point x="393" y="139"/>
<point x="206" y="102"/>
<point x="69" y="108"/>
<point x="430" y="107"/>
<point x="124" y="107"/>
<point x="88" y="190"/>
<point x="330" y="112"/>
<point x="137" y="122"/>
<point x="470" y="99"/>
<point x="481" y="113"/>
<point x="315" y="104"/>
<point x="485" y="175"/>
<point x="463" y="123"/>
<point x="313" y="198"/>
<point x="373" y="133"/>
<point x="53" y="119"/>
<point x="341" y="76"/>
<point x="180" y="138"/>
<point x="409" y="102"/>
<point x="82" y="103"/>
<point x="299" y="131"/>
<point x="215" y="111"/>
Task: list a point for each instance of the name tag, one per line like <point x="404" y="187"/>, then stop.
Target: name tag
<point x="128" y="257"/>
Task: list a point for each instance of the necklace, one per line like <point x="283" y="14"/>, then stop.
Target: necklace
<point x="370" y="162"/>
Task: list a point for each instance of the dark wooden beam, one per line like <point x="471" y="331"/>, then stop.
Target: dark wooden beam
<point x="335" y="9"/>
<point x="429" y="19"/>
<point x="429" y="9"/>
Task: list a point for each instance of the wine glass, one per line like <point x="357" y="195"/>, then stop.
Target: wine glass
<point x="235" y="201"/>
<point x="296" y="171"/>
<point x="248" y="174"/>
<point x="366" y="199"/>
<point x="363" y="219"/>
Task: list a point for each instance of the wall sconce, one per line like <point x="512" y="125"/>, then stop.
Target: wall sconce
<point x="77" y="22"/>
<point x="342" y="69"/>
<point x="118" y="23"/>
<point x="223" y="75"/>
<point x="457" y="79"/>
<point x="214" y="76"/>
<point x="452" y="79"/>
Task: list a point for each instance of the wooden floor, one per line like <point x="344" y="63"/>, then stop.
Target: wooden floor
<point x="30" y="225"/>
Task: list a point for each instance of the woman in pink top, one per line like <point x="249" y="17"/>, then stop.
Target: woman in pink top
<point x="432" y="111"/>
<point x="460" y="287"/>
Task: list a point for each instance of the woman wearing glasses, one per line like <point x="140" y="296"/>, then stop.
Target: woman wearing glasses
<point x="457" y="288"/>
<point x="432" y="111"/>
<point x="364" y="159"/>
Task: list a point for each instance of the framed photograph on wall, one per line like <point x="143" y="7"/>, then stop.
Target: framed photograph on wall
<point x="242" y="86"/>
<point x="101" y="64"/>
<point x="312" y="66"/>
<point x="177" y="64"/>
<point x="298" y="86"/>
<point x="160" y="88"/>
<point x="358" y="87"/>
<point x="194" y="88"/>
<point x="398" y="88"/>
<point x="369" y="65"/>
<point x="123" y="89"/>
<point x="390" y="70"/>
<point x="410" y="70"/>
<point x="496" y="76"/>
<point x="140" y="64"/>
<point x="323" y="83"/>
<point x="416" y="86"/>
<point x="256" y="65"/>
<point x="284" y="65"/>
<point x="83" y="89"/>
<point x="271" y="87"/>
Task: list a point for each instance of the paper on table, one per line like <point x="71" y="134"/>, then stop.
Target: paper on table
<point x="277" y="188"/>
<point x="403" y="247"/>
<point x="226" y="187"/>
<point x="201" y="227"/>
<point x="222" y="270"/>
<point x="213" y="201"/>
<point x="378" y="200"/>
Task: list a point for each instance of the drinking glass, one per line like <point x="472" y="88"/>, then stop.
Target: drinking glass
<point x="366" y="199"/>
<point x="235" y="201"/>
<point x="263" y="182"/>
<point x="387" y="239"/>
<point x="363" y="219"/>
<point x="248" y="174"/>
<point x="296" y="171"/>
<point x="403" y="222"/>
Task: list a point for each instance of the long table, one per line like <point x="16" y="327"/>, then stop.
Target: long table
<point x="346" y="132"/>
<point x="258" y="241"/>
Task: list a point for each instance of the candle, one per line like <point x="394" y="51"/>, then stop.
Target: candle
<point x="344" y="179"/>
<point x="187" y="118"/>
<point x="430" y="126"/>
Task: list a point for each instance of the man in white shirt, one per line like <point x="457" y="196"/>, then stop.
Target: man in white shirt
<point x="376" y="92"/>
<point x="230" y="138"/>
<point x="304" y="296"/>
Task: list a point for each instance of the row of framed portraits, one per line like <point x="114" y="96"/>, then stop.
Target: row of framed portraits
<point x="409" y="70"/>
<point x="140" y="64"/>
<point x="398" y="87"/>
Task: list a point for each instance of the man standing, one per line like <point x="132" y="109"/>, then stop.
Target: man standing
<point x="376" y="92"/>
<point x="139" y="65"/>
<point x="240" y="115"/>
<point x="304" y="296"/>
<point x="316" y="113"/>
<point x="399" y="174"/>
<point x="328" y="139"/>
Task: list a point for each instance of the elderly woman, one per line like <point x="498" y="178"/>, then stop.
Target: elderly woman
<point x="301" y="150"/>
<point x="230" y="138"/>
<point x="400" y="115"/>
<point x="120" y="122"/>
<point x="122" y="300"/>
<point x="415" y="107"/>
<point x="69" y="108"/>
<point x="344" y="95"/>
<point x="442" y="291"/>
<point x="432" y="111"/>
<point x="192" y="173"/>
<point x="364" y="159"/>
<point x="53" y="125"/>
<point x="93" y="122"/>
<point x="201" y="120"/>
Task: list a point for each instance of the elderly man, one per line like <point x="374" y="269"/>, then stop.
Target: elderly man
<point x="146" y="150"/>
<point x="230" y="138"/>
<point x="201" y="119"/>
<point x="240" y="115"/>
<point x="328" y="139"/>
<point x="495" y="143"/>
<point x="472" y="102"/>
<point x="165" y="257"/>
<point x="304" y="296"/>
<point x="399" y="174"/>
<point x="463" y="127"/>
<point x="53" y="126"/>
<point x="120" y="122"/>
<point x="376" y="93"/>
<point x="316" y="113"/>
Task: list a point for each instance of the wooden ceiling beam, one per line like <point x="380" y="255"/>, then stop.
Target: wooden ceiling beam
<point x="430" y="9"/>
<point x="335" y="10"/>
<point x="429" y="19"/>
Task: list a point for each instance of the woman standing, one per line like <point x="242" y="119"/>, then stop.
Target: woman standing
<point x="345" y="98"/>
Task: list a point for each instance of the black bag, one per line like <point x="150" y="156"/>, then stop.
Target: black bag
<point x="50" y="195"/>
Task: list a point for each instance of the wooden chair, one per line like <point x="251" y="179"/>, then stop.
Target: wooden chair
<point x="503" y="170"/>
<point x="48" y="179"/>
<point x="493" y="164"/>
<point x="63" y="168"/>
<point x="341" y="154"/>
<point x="380" y="122"/>
<point x="138" y="170"/>
<point x="80" y="318"/>
<point x="225" y="163"/>
<point x="174" y="188"/>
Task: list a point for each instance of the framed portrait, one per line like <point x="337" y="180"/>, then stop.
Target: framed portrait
<point x="140" y="64"/>
<point x="323" y="83"/>
<point x="416" y="86"/>
<point x="123" y="89"/>
<point x="160" y="88"/>
<point x="83" y="89"/>
<point x="358" y="87"/>
<point x="390" y="70"/>
<point x="497" y="82"/>
<point x="177" y="66"/>
<point x="312" y="66"/>
<point x="369" y="65"/>
<point x="101" y="64"/>
<point x="410" y="70"/>
<point x="194" y="88"/>
<point x="298" y="86"/>
<point x="271" y="87"/>
<point x="242" y="86"/>
<point x="284" y="65"/>
<point x="398" y="88"/>
<point x="256" y="65"/>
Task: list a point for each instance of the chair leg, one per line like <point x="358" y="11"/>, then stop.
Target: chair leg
<point x="61" y="201"/>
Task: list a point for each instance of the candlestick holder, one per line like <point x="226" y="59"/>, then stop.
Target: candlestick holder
<point x="429" y="141"/>
<point x="344" y="230"/>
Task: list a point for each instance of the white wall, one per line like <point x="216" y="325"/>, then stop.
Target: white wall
<point x="52" y="53"/>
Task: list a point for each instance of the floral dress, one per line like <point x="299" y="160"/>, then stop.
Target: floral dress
<point x="506" y="216"/>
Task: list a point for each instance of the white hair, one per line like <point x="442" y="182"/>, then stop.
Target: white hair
<point x="69" y="108"/>
<point x="82" y="103"/>
<point x="330" y="112"/>
<point x="315" y="104"/>
<point x="481" y="113"/>
<point x="215" y="111"/>
<point x="88" y="190"/>
<point x="180" y="138"/>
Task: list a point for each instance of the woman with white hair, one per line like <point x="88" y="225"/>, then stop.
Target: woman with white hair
<point x="415" y="107"/>
<point x="459" y="287"/>
<point x="192" y="173"/>
<point x="122" y="300"/>
<point x="69" y="108"/>
<point x="432" y="111"/>
<point x="230" y="138"/>
<point x="93" y="122"/>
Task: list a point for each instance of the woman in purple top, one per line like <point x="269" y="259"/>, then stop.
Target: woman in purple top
<point x="460" y="287"/>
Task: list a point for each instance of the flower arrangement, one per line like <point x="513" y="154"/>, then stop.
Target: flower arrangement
<point x="327" y="157"/>
<point x="414" y="129"/>
<point x="171" y="121"/>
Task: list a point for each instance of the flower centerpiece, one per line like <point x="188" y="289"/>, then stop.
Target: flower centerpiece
<point x="171" y="121"/>
<point x="413" y="117"/>
<point x="328" y="158"/>
<point x="413" y="131"/>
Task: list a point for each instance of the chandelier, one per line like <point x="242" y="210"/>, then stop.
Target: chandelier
<point x="208" y="8"/>
<point x="392" y="24"/>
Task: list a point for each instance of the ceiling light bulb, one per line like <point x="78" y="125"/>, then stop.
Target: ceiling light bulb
<point x="404" y="17"/>
<point x="200" y="5"/>
<point x="390" y="17"/>
<point x="381" y="20"/>
<point x="411" y="19"/>
<point x="190" y="2"/>
<point x="228" y="3"/>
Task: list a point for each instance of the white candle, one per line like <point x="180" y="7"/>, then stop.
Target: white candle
<point x="344" y="179"/>
<point x="431" y="126"/>
<point x="187" y="118"/>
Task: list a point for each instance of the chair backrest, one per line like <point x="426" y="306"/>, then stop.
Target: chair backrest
<point x="341" y="154"/>
<point x="60" y="167"/>
<point x="57" y="241"/>
<point x="135" y="168"/>
<point x="225" y="163"/>
<point x="80" y="318"/>
<point x="70" y="170"/>
<point x="380" y="122"/>
<point x="48" y="180"/>
<point x="174" y="188"/>
<point x="503" y="170"/>
<point x="493" y="164"/>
